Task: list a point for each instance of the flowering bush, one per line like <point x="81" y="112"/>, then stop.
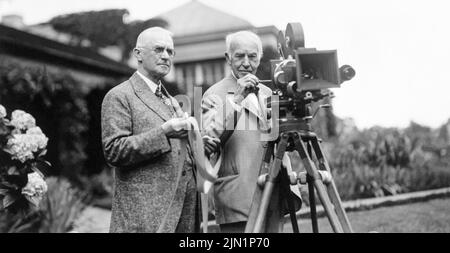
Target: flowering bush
<point x="22" y="146"/>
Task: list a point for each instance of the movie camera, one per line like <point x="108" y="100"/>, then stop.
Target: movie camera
<point x="303" y="75"/>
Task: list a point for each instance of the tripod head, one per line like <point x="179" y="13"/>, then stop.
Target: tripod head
<point x="301" y="77"/>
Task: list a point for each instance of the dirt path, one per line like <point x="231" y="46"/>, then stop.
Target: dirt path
<point x="93" y="220"/>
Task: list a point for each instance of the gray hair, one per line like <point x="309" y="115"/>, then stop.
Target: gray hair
<point x="244" y="35"/>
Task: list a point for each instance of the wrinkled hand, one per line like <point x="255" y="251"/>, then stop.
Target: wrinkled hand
<point x="176" y="128"/>
<point x="247" y="85"/>
<point x="211" y="144"/>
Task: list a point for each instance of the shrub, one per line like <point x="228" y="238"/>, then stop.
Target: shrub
<point x="22" y="148"/>
<point x="61" y="208"/>
<point x="386" y="161"/>
<point x="100" y="188"/>
<point x="57" y="103"/>
<point x="57" y="213"/>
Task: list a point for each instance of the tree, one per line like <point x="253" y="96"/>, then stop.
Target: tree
<point x="444" y="133"/>
<point x="101" y="28"/>
<point x="104" y="28"/>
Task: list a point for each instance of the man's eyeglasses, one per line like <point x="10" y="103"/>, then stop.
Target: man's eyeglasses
<point x="160" y="50"/>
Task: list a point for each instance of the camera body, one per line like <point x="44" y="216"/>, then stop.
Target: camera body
<point x="303" y="69"/>
<point x="302" y="76"/>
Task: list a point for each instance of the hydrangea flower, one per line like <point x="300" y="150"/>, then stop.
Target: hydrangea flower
<point x="35" y="188"/>
<point x="38" y="138"/>
<point x="2" y="111"/>
<point x="22" y="120"/>
<point x="22" y="140"/>
<point x="23" y="147"/>
<point x="19" y="148"/>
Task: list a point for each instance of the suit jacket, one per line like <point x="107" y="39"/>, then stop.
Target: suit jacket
<point x="149" y="185"/>
<point x="242" y="149"/>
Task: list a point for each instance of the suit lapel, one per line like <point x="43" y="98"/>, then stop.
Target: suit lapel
<point x="144" y="93"/>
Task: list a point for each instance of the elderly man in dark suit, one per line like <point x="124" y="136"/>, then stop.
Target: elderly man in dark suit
<point x="142" y="132"/>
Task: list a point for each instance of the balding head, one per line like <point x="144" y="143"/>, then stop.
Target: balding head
<point x="151" y="34"/>
<point x="154" y="52"/>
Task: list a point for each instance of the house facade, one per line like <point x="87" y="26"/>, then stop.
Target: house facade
<point x="88" y="67"/>
<point x="199" y="36"/>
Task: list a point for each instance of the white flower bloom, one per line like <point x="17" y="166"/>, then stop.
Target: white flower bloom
<point x="20" y="148"/>
<point x="38" y="138"/>
<point x="35" y="188"/>
<point x="34" y="130"/>
<point x="24" y="147"/>
<point x="2" y="111"/>
<point x="22" y="120"/>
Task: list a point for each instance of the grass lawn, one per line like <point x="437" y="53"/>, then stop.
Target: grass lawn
<point x="432" y="216"/>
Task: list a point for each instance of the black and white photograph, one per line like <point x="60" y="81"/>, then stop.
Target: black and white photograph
<point x="224" y="117"/>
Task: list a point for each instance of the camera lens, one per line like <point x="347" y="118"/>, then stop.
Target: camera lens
<point x="346" y="72"/>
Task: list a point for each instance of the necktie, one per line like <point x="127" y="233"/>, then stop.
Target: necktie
<point x="166" y="101"/>
<point x="161" y="96"/>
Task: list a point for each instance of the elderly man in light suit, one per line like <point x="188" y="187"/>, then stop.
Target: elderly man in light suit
<point x="226" y="116"/>
<point x="234" y="116"/>
<point x="142" y="129"/>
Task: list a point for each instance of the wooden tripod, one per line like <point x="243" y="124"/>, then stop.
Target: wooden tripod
<point x="277" y="176"/>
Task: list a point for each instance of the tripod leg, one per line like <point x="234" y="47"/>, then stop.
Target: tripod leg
<point x="270" y="183"/>
<point x="273" y="221"/>
<point x="312" y="171"/>
<point x="312" y="197"/>
<point x="287" y="193"/>
<point x="312" y="204"/>
<point x="256" y="201"/>
<point x="331" y="188"/>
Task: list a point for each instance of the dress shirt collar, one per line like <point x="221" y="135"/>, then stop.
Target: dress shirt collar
<point x="152" y="85"/>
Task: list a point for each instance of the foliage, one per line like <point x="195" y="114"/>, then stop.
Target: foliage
<point x="104" y="28"/>
<point x="100" y="188"/>
<point x="95" y="162"/>
<point x="57" y="103"/>
<point x="22" y="147"/>
<point x="386" y="161"/>
<point x="59" y="209"/>
<point x="101" y="28"/>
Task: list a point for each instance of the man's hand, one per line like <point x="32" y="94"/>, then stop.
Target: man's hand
<point x="247" y="85"/>
<point x="176" y="128"/>
<point x="211" y="144"/>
